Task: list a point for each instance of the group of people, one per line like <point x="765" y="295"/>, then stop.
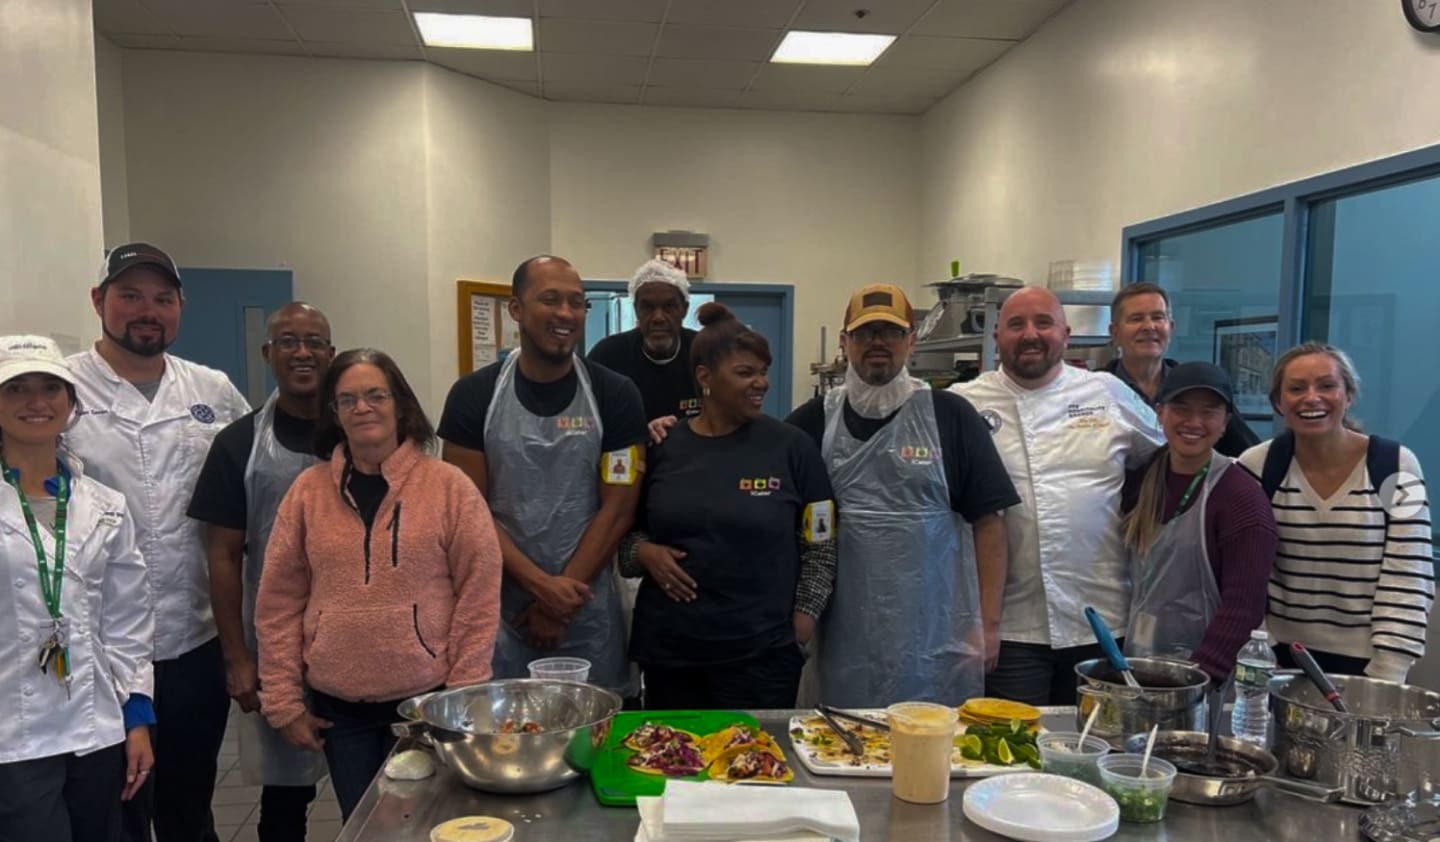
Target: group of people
<point x="167" y="550"/>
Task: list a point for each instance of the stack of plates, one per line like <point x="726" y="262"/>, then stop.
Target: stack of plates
<point x="1042" y="808"/>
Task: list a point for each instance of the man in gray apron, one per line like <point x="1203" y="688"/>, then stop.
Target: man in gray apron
<point x="556" y="445"/>
<point x="909" y="466"/>
<point x="249" y="469"/>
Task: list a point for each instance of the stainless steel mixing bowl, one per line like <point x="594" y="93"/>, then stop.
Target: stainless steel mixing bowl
<point x="463" y="725"/>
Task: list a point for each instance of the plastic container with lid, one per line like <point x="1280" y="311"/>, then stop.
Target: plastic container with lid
<point x="1141" y="799"/>
<point x="1062" y="754"/>
<point x="473" y="829"/>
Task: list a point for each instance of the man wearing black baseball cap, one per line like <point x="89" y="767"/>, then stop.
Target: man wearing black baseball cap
<point x="146" y="424"/>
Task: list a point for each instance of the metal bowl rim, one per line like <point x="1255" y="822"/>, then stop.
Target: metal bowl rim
<point x="441" y="695"/>
<point x="1135" y="743"/>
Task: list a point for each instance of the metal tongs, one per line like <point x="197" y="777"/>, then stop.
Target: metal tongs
<point x="852" y="742"/>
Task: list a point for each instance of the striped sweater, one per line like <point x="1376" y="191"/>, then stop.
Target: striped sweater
<point x="1345" y="580"/>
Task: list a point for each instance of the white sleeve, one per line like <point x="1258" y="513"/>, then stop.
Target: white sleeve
<point x="127" y="619"/>
<point x="1137" y="416"/>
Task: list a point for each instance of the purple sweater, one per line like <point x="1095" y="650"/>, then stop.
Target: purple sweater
<point x="1241" y="540"/>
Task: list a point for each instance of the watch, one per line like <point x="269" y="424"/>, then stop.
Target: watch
<point x="1424" y="15"/>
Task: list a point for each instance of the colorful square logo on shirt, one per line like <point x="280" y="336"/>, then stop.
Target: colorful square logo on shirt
<point x="760" y="486"/>
<point x="690" y="407"/>
<point x="917" y="455"/>
<point x="575" y="422"/>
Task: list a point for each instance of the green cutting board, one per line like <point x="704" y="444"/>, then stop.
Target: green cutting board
<point x="616" y="784"/>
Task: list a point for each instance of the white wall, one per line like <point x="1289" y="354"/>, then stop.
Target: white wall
<point x="1118" y="111"/>
<point x="114" y="184"/>
<point x="50" y="241"/>
<point x="824" y="202"/>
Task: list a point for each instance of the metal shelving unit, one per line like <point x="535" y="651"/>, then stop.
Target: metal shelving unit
<point x="985" y="343"/>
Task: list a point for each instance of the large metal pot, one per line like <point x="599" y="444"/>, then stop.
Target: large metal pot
<point x="464" y="724"/>
<point x="1387" y="745"/>
<point x="1173" y="697"/>
<point x="1248" y="768"/>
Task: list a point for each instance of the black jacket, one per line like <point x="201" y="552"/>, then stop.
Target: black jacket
<point x="1238" y="436"/>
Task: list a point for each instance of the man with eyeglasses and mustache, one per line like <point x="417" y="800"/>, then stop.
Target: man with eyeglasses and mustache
<point x="914" y="616"/>
<point x="1066" y="436"/>
<point x="251" y="466"/>
<point x="145" y="423"/>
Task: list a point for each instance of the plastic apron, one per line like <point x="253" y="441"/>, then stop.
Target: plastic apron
<point x="544" y="492"/>
<point x="265" y="758"/>
<point x="904" y="619"/>
<point x="1176" y="595"/>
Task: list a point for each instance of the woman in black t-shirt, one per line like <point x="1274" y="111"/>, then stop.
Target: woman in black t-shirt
<point x="734" y="539"/>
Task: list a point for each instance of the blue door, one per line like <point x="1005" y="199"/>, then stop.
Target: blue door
<point x="223" y="323"/>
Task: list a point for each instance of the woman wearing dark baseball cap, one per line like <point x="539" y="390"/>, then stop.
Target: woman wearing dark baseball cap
<point x="1200" y="532"/>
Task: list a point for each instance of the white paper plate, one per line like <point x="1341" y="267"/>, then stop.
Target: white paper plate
<point x="1042" y="808"/>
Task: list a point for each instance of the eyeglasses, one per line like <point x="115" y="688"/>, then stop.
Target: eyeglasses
<point x="375" y="398"/>
<point x="293" y="343"/>
<point x="889" y="333"/>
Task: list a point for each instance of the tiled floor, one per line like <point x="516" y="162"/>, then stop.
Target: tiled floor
<point x="237" y="806"/>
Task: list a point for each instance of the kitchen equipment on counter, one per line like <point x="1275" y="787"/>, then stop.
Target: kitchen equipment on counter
<point x="961" y="310"/>
<point x="872" y="721"/>
<point x="1386" y="746"/>
<point x="464" y="725"/>
<point x="1403" y="820"/>
<point x="409" y="711"/>
<point x="851" y="741"/>
<point x="1072" y="755"/>
<point x="1174" y="697"/>
<point x="1242" y="769"/>
<point x="1042" y="808"/>
<point x="612" y="779"/>
<point x="1313" y="672"/>
<point x="1139" y="784"/>
<point x="1108" y="645"/>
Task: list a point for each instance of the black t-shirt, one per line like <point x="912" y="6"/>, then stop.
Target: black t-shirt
<point x="667" y="388"/>
<point x="368" y="492"/>
<point x="979" y="483"/>
<point x="735" y="504"/>
<point x="220" y="490"/>
<point x="622" y="415"/>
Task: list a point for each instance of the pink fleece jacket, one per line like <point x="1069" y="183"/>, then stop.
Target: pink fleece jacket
<point x="373" y="615"/>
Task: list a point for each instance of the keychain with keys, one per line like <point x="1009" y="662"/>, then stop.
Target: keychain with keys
<point x="54" y="656"/>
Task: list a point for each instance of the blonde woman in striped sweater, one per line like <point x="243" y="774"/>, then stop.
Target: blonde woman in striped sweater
<point x="1354" y="577"/>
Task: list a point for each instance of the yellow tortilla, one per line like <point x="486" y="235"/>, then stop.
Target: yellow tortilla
<point x="713" y="745"/>
<point x="999" y="710"/>
<point x="720" y="768"/>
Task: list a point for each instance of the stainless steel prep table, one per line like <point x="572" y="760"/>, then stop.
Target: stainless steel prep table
<point x="399" y="811"/>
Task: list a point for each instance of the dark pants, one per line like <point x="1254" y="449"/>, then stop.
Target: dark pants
<point x="769" y="680"/>
<point x="1037" y="674"/>
<point x="1329" y="662"/>
<point x="191" y="708"/>
<point x="64" y="798"/>
<point x="356" y="744"/>
<point x="283" y="813"/>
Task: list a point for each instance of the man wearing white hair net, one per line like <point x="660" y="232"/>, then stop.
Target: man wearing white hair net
<point x="656" y="354"/>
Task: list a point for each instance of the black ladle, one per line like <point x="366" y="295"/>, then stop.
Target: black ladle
<point x="1322" y="682"/>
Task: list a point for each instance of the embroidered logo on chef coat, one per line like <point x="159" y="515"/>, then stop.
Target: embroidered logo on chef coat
<point x="760" y="486"/>
<point x="1082" y="416"/>
<point x="203" y="413"/>
<point x="919" y="455"/>
<point x="819" y="522"/>
<point x="992" y="420"/>
<point x="111" y="518"/>
<point x="577" y="423"/>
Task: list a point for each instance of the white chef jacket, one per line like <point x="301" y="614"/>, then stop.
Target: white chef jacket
<point x="1067" y="446"/>
<point x="106" y="601"/>
<point x="152" y="452"/>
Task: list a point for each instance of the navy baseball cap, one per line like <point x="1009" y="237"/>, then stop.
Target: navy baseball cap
<point x="130" y="255"/>
<point x="1187" y="376"/>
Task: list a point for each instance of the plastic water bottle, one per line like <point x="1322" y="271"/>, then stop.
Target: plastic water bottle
<point x="1250" y="720"/>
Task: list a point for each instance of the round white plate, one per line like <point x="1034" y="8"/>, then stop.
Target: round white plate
<point x="1042" y="808"/>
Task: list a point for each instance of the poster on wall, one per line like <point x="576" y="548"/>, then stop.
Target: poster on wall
<point x="1246" y="349"/>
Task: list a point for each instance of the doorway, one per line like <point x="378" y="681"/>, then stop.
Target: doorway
<point x="223" y="323"/>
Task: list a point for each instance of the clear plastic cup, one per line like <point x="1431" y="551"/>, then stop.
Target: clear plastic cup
<point x="1062" y="754"/>
<point x="922" y="739"/>
<point x="1141" y="799"/>
<point x="562" y="669"/>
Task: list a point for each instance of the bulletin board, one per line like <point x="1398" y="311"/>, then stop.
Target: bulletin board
<point x="484" y="324"/>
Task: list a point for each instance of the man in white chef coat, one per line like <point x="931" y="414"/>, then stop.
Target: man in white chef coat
<point x="144" y="426"/>
<point x="1067" y="436"/>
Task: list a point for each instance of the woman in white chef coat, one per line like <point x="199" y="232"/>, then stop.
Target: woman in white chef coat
<point x="76" y="624"/>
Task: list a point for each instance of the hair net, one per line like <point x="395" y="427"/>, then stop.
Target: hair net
<point x="657" y="271"/>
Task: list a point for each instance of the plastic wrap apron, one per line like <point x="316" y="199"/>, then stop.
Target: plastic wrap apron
<point x="1176" y="595"/>
<point x="265" y="758"/>
<point x="544" y="492"/>
<point x="904" y="620"/>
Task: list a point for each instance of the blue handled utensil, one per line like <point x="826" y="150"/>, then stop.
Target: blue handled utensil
<point x="1110" y="647"/>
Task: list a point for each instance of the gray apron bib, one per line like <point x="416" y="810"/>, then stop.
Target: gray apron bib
<point x="1176" y="595"/>
<point x="265" y="758"/>
<point x="904" y="621"/>
<point x="544" y="492"/>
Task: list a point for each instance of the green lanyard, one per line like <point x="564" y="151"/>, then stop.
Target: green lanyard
<point x="50" y="581"/>
<point x="1190" y="489"/>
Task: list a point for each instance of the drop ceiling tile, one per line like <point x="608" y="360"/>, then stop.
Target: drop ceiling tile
<point x="812" y="79"/>
<point x="382" y="52"/>
<point x="884" y="105"/>
<point x="114" y="17"/>
<point x="146" y="42"/>
<point x="961" y="55"/>
<point x="603" y="37"/>
<point x="350" y="26"/>
<point x="252" y="46"/>
<point x="647" y="11"/>
<point x="904" y="81"/>
<point x="891" y="17"/>
<point x="761" y="14"/>
<point x="987" y="18"/>
<point x="717" y="43"/>
<point x="494" y="8"/>
<point x="604" y="71"/>
<point x="789" y="100"/>
<point x="701" y="73"/>
<point x="691" y="98"/>
<point x="501" y="65"/>
<point x="220" y="19"/>
<point x="624" y="94"/>
<point x="388" y="5"/>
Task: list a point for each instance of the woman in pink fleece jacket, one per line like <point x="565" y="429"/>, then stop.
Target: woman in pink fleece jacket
<point x="381" y="581"/>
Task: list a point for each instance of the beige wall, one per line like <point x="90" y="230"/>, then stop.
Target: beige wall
<point x="50" y="230"/>
<point x="825" y="202"/>
<point x="114" y="184"/>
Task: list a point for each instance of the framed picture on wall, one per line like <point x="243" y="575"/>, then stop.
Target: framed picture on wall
<point x="1246" y="349"/>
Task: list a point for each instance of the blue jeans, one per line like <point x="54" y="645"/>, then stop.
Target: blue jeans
<point x="356" y="744"/>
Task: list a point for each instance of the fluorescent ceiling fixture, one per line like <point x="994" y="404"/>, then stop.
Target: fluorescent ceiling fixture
<point x="475" y="32"/>
<point x="831" y="48"/>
